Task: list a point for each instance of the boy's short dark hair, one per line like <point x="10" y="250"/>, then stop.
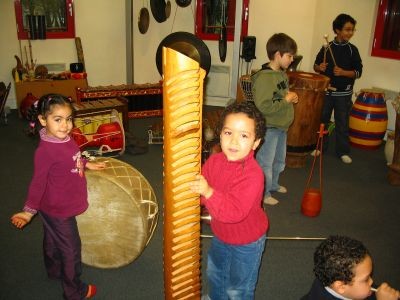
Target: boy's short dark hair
<point x="335" y="258"/>
<point x="248" y="108"/>
<point x="340" y="20"/>
<point x="282" y="43"/>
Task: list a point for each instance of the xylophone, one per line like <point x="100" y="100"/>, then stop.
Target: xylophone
<point x="144" y="100"/>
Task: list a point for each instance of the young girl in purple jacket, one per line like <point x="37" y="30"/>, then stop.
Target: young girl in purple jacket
<point x="58" y="193"/>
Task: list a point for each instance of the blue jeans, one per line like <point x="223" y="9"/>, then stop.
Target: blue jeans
<point x="271" y="158"/>
<point x="232" y="270"/>
<point x="341" y="107"/>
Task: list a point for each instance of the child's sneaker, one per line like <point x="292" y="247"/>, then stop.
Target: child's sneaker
<point x="346" y="159"/>
<point x="270" y="200"/>
<point x="282" y="189"/>
<point x="91" y="291"/>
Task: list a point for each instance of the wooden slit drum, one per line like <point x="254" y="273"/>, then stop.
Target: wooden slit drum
<point x="182" y="102"/>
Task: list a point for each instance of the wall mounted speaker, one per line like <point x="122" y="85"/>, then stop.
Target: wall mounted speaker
<point x="249" y="48"/>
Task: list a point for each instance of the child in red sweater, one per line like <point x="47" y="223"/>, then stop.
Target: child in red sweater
<point x="231" y="188"/>
<point x="58" y="193"/>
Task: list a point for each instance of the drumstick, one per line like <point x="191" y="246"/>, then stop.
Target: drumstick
<point x="325" y="50"/>
<point x="329" y="48"/>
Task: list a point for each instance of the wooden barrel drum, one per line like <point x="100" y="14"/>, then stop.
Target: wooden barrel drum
<point x="302" y="134"/>
<point x="368" y="120"/>
<point x="121" y="217"/>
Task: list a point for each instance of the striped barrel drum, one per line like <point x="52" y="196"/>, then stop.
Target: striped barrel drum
<point x="368" y="120"/>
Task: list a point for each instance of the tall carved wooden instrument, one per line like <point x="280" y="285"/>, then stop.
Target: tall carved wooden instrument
<point x="182" y="102"/>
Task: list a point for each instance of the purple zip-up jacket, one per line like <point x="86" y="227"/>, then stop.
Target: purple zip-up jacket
<point x="58" y="187"/>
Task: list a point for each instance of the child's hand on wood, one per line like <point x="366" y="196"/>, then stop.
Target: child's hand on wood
<point x="21" y="219"/>
<point x="292" y="97"/>
<point x="200" y="185"/>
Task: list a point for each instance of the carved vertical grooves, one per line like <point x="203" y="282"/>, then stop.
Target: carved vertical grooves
<point x="182" y="105"/>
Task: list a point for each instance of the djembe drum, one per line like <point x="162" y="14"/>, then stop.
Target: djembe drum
<point x="368" y="119"/>
<point x="121" y="217"/>
<point x="302" y="134"/>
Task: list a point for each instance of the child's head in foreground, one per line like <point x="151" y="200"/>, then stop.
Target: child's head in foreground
<point x="241" y="128"/>
<point x="344" y="265"/>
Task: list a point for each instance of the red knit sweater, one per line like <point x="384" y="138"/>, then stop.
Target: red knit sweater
<point x="235" y="207"/>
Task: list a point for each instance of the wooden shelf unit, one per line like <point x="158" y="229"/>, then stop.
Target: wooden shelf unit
<point x="39" y="88"/>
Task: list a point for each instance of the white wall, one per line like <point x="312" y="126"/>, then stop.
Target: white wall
<point x="101" y="26"/>
<point x="295" y="18"/>
<point x="145" y="45"/>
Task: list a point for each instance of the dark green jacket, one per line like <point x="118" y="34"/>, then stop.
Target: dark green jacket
<point x="269" y="89"/>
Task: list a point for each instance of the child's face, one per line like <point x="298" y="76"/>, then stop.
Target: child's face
<point x="360" y="287"/>
<point x="346" y="33"/>
<point x="58" y="122"/>
<point x="238" y="136"/>
<point x="284" y="60"/>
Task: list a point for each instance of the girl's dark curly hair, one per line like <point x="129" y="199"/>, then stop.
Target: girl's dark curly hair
<point x="335" y="258"/>
<point x="44" y="107"/>
<point x="248" y="108"/>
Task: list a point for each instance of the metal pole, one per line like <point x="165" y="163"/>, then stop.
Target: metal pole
<point x="295" y="238"/>
<point x="236" y="48"/>
<point x="129" y="41"/>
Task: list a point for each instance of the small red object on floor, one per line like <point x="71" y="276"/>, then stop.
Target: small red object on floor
<point x="91" y="291"/>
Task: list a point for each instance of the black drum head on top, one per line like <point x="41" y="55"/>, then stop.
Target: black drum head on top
<point x="187" y="44"/>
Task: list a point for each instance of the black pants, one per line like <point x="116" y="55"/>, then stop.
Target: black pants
<point x="341" y="107"/>
<point x="62" y="255"/>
